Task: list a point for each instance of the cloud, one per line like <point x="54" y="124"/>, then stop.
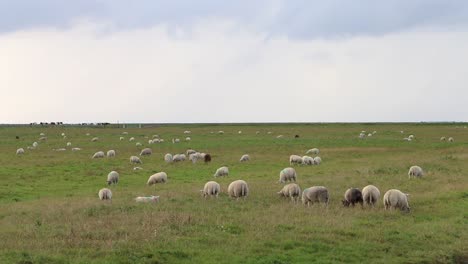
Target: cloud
<point x="222" y="71"/>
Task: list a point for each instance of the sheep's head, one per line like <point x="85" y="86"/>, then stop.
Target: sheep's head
<point x="345" y="203"/>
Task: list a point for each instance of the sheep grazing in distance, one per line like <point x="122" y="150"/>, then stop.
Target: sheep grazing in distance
<point x="407" y="139"/>
<point x="60" y="149"/>
<point x="131" y="139"/>
<point x="450" y="139"/>
<point x="362" y="135"/>
<point x="121" y="138"/>
<point x="257" y="132"/>
<point x="188" y="139"/>
<point x="238" y="189"/>
<point x="411" y="137"/>
<point x="369" y="135"/>
<point x="124" y="133"/>
<point x="295" y="159"/>
<point x="415" y="171"/>
<point x="147" y="199"/>
<point x="187" y="132"/>
<point x="207" y="158"/>
<point x="175" y="140"/>
<point x="63" y="134"/>
<point x="98" y="155"/>
<point x="442" y="139"/>
<point x="113" y="177"/>
<point x="111" y="153"/>
<point x="287" y="174"/>
<point x="146" y="152"/>
<point x="315" y="194"/>
<point x="76" y="149"/>
<point x="352" y="196"/>
<point x="135" y="160"/>
<point x="42" y="134"/>
<point x="160" y="177"/>
<point x="94" y="139"/>
<point x="245" y="157"/>
<point x="88" y="134"/>
<point x="20" y="151"/>
<point x="105" y="194"/>
<point x="194" y="157"/>
<point x="314" y="151"/>
<point x="279" y="136"/>
<point x="168" y="158"/>
<point x="291" y="190"/>
<point x="137" y="168"/>
<point x="35" y="144"/>
<point x="317" y="160"/>
<point x="190" y="151"/>
<point x="43" y="138"/>
<point x="306" y="160"/>
<point x="69" y="144"/>
<point x="239" y="132"/>
<point x="138" y="144"/>
<point x="220" y="132"/>
<point x="211" y="188"/>
<point x="370" y="195"/>
<point x="223" y="171"/>
<point x="395" y="199"/>
<point x="150" y="142"/>
<point x="179" y="157"/>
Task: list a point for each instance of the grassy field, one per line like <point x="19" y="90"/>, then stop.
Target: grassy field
<point x="50" y="212"/>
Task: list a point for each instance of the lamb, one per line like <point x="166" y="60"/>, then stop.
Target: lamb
<point x="238" y="189"/>
<point x="60" y="149"/>
<point x="147" y="199"/>
<point x="135" y="160"/>
<point x="306" y="160"/>
<point x="94" y="139"/>
<point x="105" y="194"/>
<point x="168" y="158"/>
<point x="112" y="177"/>
<point x="99" y="154"/>
<point x="295" y="159"/>
<point x="160" y="177"/>
<point x="223" y="171"/>
<point x="111" y="153"/>
<point x="211" y="188"/>
<point x="146" y="152"/>
<point x="245" y="157"/>
<point x="395" y="199"/>
<point x="75" y="149"/>
<point x="291" y="190"/>
<point x="314" y="151"/>
<point x="315" y="194"/>
<point x="179" y="157"/>
<point x="415" y="171"/>
<point x="450" y="139"/>
<point x="20" y="151"/>
<point x="287" y="174"/>
<point x="370" y="195"/>
<point x="317" y="160"/>
<point x="352" y="196"/>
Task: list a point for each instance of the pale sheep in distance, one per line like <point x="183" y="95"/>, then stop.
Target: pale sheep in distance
<point x="147" y="199"/>
<point x="306" y="160"/>
<point x="315" y="194"/>
<point x="135" y="160"/>
<point x="314" y="151"/>
<point x="352" y="196"/>
<point x="239" y="132"/>
<point x="60" y="149"/>
<point x="442" y="139"/>
<point x="76" y="149"/>
<point x="168" y="158"/>
<point x="175" y="140"/>
<point x="395" y="199"/>
<point x="244" y="158"/>
<point x="42" y="134"/>
<point x="188" y="139"/>
<point x="131" y="139"/>
<point x="187" y="132"/>
<point x="150" y="142"/>
<point x="317" y="160"/>
<point x="43" y="138"/>
<point x="98" y="155"/>
<point x="295" y="159"/>
<point x="370" y="195"/>
<point x="111" y="153"/>
<point x="88" y="134"/>
<point x="112" y="178"/>
<point x="160" y="177"/>
<point x="411" y="137"/>
<point x="69" y="144"/>
<point x="221" y="132"/>
<point x="450" y="139"/>
<point x="279" y="136"/>
<point x="137" y="168"/>
<point x="63" y="134"/>
<point x="146" y="152"/>
<point x="94" y="139"/>
<point x="211" y="188"/>
<point x="35" y="144"/>
<point x="238" y="189"/>
<point x="138" y="144"/>
<point x="121" y="138"/>
<point x="178" y="157"/>
<point x="415" y="171"/>
<point x="223" y="171"/>
<point x="194" y="157"/>
<point x="190" y="151"/>
<point x="287" y="174"/>
<point x="124" y="133"/>
<point x="105" y="194"/>
<point x="20" y="151"/>
<point x="291" y="190"/>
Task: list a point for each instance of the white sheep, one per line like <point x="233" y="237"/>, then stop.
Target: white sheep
<point x="223" y="171"/>
<point x="113" y="177"/>
<point x="238" y="189"/>
<point x="69" y="144"/>
<point x="257" y="132"/>
<point x="146" y="152"/>
<point x="245" y="157"/>
<point x="137" y="168"/>
<point x="131" y="139"/>
<point x="211" y="188"/>
<point x="450" y="139"/>
<point x="111" y="153"/>
<point x="88" y="134"/>
<point x="124" y="133"/>
<point x="76" y="149"/>
<point x="362" y="135"/>
<point x="121" y="138"/>
<point x="35" y="144"/>
<point x="314" y="151"/>
<point x="150" y="142"/>
<point x="442" y="139"/>
<point x="135" y="160"/>
<point x="315" y="194"/>
<point x="291" y="190"/>
<point x="168" y="158"/>
<point x="105" y="194"/>
<point x="411" y="137"/>
<point x="221" y="132"/>
<point x="99" y="154"/>
<point x="179" y="157"/>
<point x="20" y="151"/>
<point x="138" y="144"/>
<point x="160" y="177"/>
<point x="415" y="171"/>
<point x="42" y="134"/>
<point x="239" y="132"/>
<point x="175" y="140"/>
<point x="369" y="135"/>
<point x="287" y="174"/>
<point x="147" y="199"/>
<point x="317" y="160"/>
<point x="306" y="160"/>
<point x="295" y="159"/>
<point x="63" y="134"/>
<point x="94" y="139"/>
<point x="279" y="136"/>
<point x="60" y="149"/>
<point x="188" y="139"/>
<point x="190" y="151"/>
<point x="395" y="199"/>
<point x="194" y="157"/>
<point x="370" y="194"/>
<point x="187" y="132"/>
<point x="43" y="138"/>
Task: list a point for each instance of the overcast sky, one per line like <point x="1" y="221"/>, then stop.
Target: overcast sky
<point x="233" y="61"/>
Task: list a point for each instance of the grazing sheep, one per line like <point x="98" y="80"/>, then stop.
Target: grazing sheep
<point x="211" y="188"/>
<point x="287" y="174"/>
<point x="94" y="139"/>
<point x="411" y="137"/>
<point x="238" y="189"/>
<point x="63" y="134"/>
<point x="187" y="132"/>
<point x="146" y="152"/>
<point x="160" y="177"/>
<point x="352" y="196"/>
<point x="175" y="140"/>
<point x="317" y="160"/>
<point x="147" y="199"/>
<point x="113" y="177"/>
<point x="194" y="157"/>
<point x="88" y="134"/>
<point x="111" y="153"/>
<point x="295" y="159"/>
<point x="43" y="138"/>
<point x="60" y="149"/>
<point x="314" y="151"/>
<point x="76" y="149"/>
<point x="239" y="132"/>
<point x="223" y="171"/>
<point x="179" y="157"/>
<point x="407" y="139"/>
<point x="442" y="139"/>
<point x="131" y="139"/>
<point x="42" y="134"/>
<point x="207" y="158"/>
<point x="168" y="158"/>
<point x="124" y="133"/>
<point x="279" y="136"/>
<point x="306" y="160"/>
<point x="369" y="135"/>
<point x="370" y="195"/>
<point x="135" y="160"/>
<point x="188" y="139"/>
<point x="362" y="135"/>
<point x="395" y="199"/>
<point x="221" y="132"/>
<point x="20" y="151"/>
<point x="415" y="171"/>
<point x="190" y="151"/>
<point x="138" y="144"/>
<point x="161" y="140"/>
<point x="99" y="154"/>
<point x="450" y="139"/>
<point x="150" y="142"/>
<point x="315" y="194"/>
<point x="105" y="194"/>
<point x="269" y="132"/>
<point x="121" y="138"/>
<point x="245" y="157"/>
<point x="69" y="144"/>
<point x="137" y="168"/>
<point x="257" y="132"/>
<point x="291" y="190"/>
<point x="35" y="144"/>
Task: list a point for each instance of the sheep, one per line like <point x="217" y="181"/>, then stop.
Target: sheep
<point x="187" y="132"/>
<point x="238" y="189"/>
<point x="178" y="157"/>
<point x="20" y="151"/>
<point x="99" y="154"/>
<point x="160" y="177"/>
<point x="161" y="140"/>
<point x="407" y="139"/>
<point x="352" y="196"/>
<point x="175" y="140"/>
<point x="370" y="195"/>
<point x="314" y="151"/>
<point x="69" y="144"/>
<point x="395" y="199"/>
<point x="146" y="152"/>
<point x="188" y="139"/>
<point x="306" y="160"/>
<point x="43" y="138"/>
<point x="150" y="142"/>
<point x="442" y="139"/>
<point x="295" y="159"/>
<point x="287" y="174"/>
<point x="223" y="171"/>
<point x="190" y="151"/>
<point x="315" y="194"/>
<point x="35" y="144"/>
<point x="317" y="160"/>
<point x="121" y="138"/>
<point x="411" y="137"/>
<point x="88" y="134"/>
<point x="137" y="168"/>
<point x="269" y="132"/>
<point x="42" y="134"/>
<point x="168" y="158"/>
<point x="450" y="139"/>
<point x="257" y="132"/>
<point x="362" y="135"/>
<point x="135" y="160"/>
<point x="105" y="194"/>
<point x="94" y="139"/>
<point x="245" y="157"/>
<point x="211" y="188"/>
<point x="131" y="139"/>
<point x="124" y="133"/>
<point x="415" y="171"/>
<point x="279" y="136"/>
<point x="220" y="132"/>
<point x="60" y="149"/>
<point x="147" y="199"/>
<point x="369" y="135"/>
<point x="112" y="178"/>
<point x="138" y="144"/>
<point x="111" y="153"/>
<point x="75" y="149"/>
<point x="207" y="158"/>
<point x="291" y="190"/>
<point x="194" y="157"/>
<point x="239" y="132"/>
<point x="63" y="134"/>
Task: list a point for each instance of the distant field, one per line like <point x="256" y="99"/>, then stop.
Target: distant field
<point x="50" y="211"/>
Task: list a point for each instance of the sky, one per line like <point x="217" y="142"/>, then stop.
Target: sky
<point x="210" y="61"/>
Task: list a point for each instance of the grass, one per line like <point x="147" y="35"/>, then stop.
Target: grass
<point x="50" y="213"/>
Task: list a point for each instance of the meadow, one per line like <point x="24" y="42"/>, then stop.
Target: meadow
<point x="50" y="211"/>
